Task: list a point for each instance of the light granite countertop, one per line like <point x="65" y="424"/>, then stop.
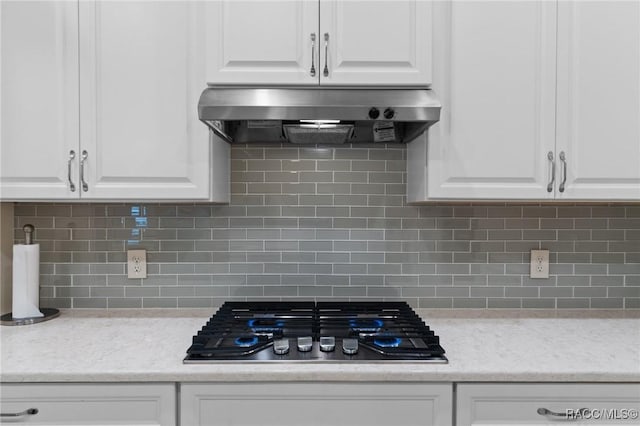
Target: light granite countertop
<point x="148" y="346"/>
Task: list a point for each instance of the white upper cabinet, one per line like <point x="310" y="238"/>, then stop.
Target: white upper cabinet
<point x="494" y="71"/>
<point x="518" y="124"/>
<point x="99" y="102"/>
<point x="599" y="99"/>
<point x="141" y="74"/>
<point x="327" y="42"/>
<point x="262" y="42"/>
<point x="375" y="42"/>
<point x="39" y="93"/>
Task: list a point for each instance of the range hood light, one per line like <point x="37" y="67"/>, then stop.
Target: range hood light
<point x="319" y="124"/>
<point x="321" y="121"/>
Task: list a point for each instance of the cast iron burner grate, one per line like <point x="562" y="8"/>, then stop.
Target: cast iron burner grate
<point x="312" y="332"/>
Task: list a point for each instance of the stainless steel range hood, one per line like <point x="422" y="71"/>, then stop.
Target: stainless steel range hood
<point x="318" y="115"/>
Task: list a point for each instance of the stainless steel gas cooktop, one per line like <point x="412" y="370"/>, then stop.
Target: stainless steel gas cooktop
<point x="315" y="332"/>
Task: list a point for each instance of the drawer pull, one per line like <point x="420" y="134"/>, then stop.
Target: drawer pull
<point x="27" y="412"/>
<point x="581" y="413"/>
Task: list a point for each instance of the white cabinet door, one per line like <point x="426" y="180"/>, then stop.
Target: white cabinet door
<point x="315" y="404"/>
<point x="494" y="70"/>
<point x="518" y="403"/>
<point x="141" y="74"/>
<point x="599" y="99"/>
<point x="91" y="404"/>
<point x="39" y="92"/>
<point x="375" y="42"/>
<point x="262" y="42"/>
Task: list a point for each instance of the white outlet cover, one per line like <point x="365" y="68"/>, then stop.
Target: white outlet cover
<point x="539" y="264"/>
<point x="136" y="264"/>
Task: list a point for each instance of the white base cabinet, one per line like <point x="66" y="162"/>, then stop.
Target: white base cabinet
<point x="90" y="404"/>
<point x="316" y="404"/>
<point x="520" y="403"/>
<point x="320" y="404"/>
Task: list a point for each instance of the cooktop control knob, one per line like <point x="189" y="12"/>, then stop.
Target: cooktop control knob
<point x="327" y="344"/>
<point x="374" y="113"/>
<point x="305" y="344"/>
<point x="389" y="113"/>
<point x="281" y="346"/>
<point x="350" y="346"/>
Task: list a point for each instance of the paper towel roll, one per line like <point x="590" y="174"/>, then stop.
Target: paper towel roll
<point x="26" y="281"/>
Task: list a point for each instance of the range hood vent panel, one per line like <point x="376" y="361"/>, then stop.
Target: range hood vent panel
<point x="277" y="115"/>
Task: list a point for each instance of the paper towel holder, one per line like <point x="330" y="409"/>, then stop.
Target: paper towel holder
<point x="48" y="313"/>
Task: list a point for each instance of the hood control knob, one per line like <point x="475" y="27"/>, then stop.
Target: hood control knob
<point x="305" y="344"/>
<point x="374" y="113"/>
<point x="281" y="346"/>
<point x="350" y="346"/>
<point x="327" y="343"/>
<point x="389" y="113"/>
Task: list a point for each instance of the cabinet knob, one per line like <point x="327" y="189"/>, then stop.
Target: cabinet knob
<point x="374" y="113"/>
<point x="389" y="113"/>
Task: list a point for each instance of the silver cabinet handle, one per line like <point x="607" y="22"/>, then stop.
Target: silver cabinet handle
<point x="326" y="58"/>
<point x="582" y="412"/>
<point x="553" y="171"/>
<point x="564" y="171"/>
<point x="72" y="155"/>
<point x="85" y="154"/>
<point x="312" y="71"/>
<point x="27" y="412"/>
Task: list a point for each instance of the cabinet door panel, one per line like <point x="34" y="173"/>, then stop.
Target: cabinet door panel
<point x="141" y="74"/>
<point x="39" y="92"/>
<point x="599" y="99"/>
<point x="376" y="42"/>
<point x="495" y="74"/>
<point x="92" y="404"/>
<point x="518" y="403"/>
<point x="261" y="42"/>
<point x="314" y="404"/>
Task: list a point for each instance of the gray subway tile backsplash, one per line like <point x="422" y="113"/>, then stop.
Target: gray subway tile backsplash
<point x="332" y="223"/>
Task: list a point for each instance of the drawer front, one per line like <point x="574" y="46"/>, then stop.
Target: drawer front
<point x="316" y="404"/>
<point x="90" y="404"/>
<point x="518" y="404"/>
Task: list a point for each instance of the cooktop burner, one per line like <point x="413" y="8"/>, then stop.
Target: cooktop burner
<point x="315" y="332"/>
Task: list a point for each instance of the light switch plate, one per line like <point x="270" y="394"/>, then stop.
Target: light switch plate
<point x="137" y="264"/>
<point x="539" y="264"/>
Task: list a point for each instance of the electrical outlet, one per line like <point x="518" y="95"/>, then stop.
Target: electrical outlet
<point x="137" y="263"/>
<point x="539" y="264"/>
